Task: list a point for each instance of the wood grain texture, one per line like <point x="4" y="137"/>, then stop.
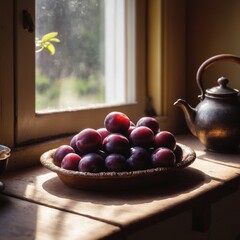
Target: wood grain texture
<point x="25" y="220"/>
<point x="211" y="177"/>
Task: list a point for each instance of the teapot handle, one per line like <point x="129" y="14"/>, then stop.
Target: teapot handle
<point x="208" y="63"/>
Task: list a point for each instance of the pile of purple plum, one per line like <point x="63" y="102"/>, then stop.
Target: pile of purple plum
<point x="120" y="146"/>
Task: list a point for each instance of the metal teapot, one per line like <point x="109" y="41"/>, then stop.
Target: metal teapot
<point x="216" y="119"/>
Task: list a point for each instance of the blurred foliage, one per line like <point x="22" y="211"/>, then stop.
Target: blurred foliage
<point x="78" y="63"/>
<point x="68" y="93"/>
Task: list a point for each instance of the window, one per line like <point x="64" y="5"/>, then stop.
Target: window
<point x="89" y="67"/>
<point x="116" y="74"/>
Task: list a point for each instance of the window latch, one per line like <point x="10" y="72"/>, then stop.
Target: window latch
<point x="27" y="21"/>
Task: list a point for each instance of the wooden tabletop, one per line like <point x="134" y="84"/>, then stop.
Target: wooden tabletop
<point x="211" y="177"/>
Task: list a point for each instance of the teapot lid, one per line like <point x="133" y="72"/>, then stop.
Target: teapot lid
<point x="222" y="90"/>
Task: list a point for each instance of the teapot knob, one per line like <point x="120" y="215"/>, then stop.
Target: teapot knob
<point x="222" y="81"/>
<point x="222" y="90"/>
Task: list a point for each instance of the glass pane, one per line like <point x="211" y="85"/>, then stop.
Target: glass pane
<point x="74" y="76"/>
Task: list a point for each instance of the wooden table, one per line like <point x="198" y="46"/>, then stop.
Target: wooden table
<point x="37" y="204"/>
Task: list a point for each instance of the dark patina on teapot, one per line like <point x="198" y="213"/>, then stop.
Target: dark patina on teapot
<point x="216" y="119"/>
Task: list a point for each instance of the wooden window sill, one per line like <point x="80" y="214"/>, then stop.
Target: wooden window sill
<point x="52" y="209"/>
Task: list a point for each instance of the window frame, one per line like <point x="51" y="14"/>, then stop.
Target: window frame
<point x="32" y="126"/>
<point x="171" y="55"/>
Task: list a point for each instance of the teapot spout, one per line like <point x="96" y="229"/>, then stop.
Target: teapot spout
<point x="190" y="114"/>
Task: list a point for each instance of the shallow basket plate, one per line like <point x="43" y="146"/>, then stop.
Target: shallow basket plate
<point x="117" y="180"/>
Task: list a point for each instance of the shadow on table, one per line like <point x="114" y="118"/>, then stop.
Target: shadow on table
<point x="182" y="182"/>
